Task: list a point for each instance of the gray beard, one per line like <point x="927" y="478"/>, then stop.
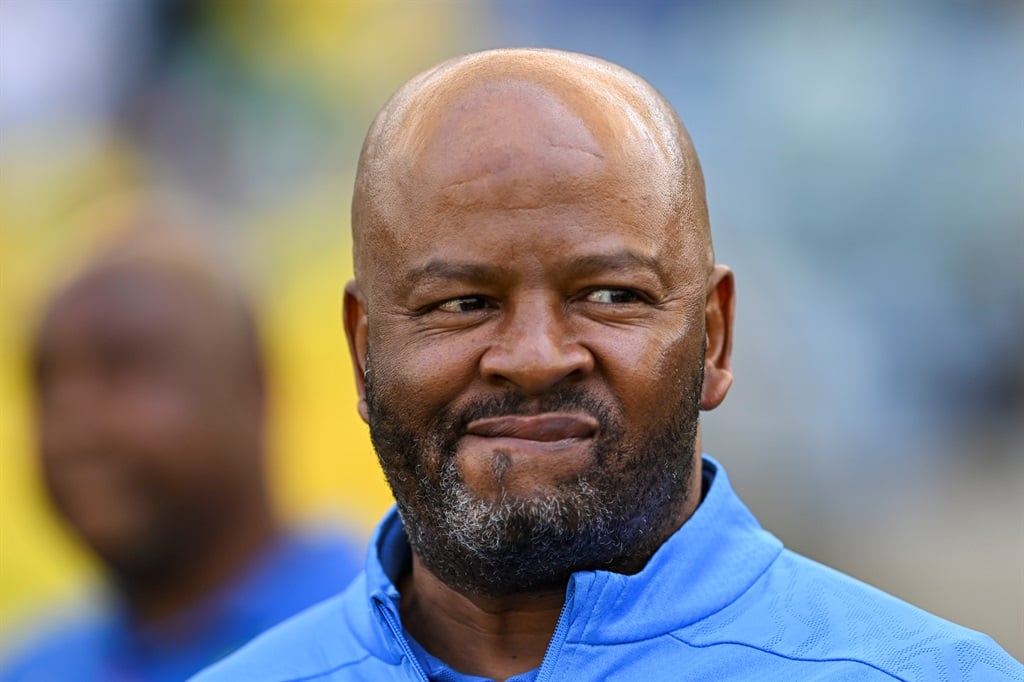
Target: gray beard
<point x="613" y="516"/>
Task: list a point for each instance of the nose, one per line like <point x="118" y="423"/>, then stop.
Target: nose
<point x="534" y="351"/>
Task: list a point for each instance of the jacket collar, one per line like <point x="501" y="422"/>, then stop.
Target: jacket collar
<point x="705" y="565"/>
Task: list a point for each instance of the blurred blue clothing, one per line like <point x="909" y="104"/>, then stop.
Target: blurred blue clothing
<point x="298" y="571"/>
<point x="720" y="600"/>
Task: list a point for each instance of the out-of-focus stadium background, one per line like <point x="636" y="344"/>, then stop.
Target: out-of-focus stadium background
<point x="865" y="167"/>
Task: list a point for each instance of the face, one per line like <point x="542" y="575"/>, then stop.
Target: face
<point x="128" y="372"/>
<point x="532" y="336"/>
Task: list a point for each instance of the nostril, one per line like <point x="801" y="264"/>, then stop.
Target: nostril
<point x="536" y="372"/>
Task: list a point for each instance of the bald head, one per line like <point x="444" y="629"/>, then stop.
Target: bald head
<point x="518" y="129"/>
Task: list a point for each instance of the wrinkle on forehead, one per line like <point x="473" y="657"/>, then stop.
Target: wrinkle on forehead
<point x="523" y="117"/>
<point x="508" y="144"/>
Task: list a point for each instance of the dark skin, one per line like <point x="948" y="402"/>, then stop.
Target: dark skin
<point x="131" y="360"/>
<point x="530" y="236"/>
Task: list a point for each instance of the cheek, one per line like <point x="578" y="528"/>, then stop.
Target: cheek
<point x="422" y="375"/>
<point x="644" y="367"/>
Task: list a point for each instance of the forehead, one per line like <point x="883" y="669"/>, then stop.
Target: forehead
<point x="477" y="139"/>
<point x="120" y="306"/>
<point x="500" y="143"/>
<point x="519" y="147"/>
<point x="507" y="145"/>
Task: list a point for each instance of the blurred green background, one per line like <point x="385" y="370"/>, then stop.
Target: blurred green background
<point x="865" y="168"/>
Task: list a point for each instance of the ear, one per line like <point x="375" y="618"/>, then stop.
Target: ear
<point x="718" y="317"/>
<point x="354" y="314"/>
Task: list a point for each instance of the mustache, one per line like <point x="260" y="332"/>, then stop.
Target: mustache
<point x="512" y="403"/>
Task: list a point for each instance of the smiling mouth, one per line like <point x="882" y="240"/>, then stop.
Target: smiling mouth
<point x="539" y="428"/>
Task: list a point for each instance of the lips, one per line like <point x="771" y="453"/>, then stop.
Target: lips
<point x="542" y="428"/>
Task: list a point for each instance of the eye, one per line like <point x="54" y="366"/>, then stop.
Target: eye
<point x="463" y="304"/>
<point x="612" y="295"/>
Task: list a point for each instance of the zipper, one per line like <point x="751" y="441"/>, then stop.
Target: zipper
<point x="396" y="630"/>
<point x="558" y="637"/>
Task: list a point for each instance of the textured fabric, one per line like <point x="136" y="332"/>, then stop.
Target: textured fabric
<point x="438" y="671"/>
<point x="296" y="573"/>
<point x="720" y="600"/>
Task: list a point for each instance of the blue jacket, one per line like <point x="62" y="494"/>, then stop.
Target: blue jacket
<point x="104" y="644"/>
<point x="720" y="600"/>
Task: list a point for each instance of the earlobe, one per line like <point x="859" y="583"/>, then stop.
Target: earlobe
<point x="718" y="318"/>
<point x="357" y="333"/>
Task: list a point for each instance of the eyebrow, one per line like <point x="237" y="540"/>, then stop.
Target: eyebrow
<point x="618" y="261"/>
<point x="588" y="265"/>
<point x="457" y="271"/>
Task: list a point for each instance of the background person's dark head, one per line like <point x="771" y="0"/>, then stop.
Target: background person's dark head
<point x="149" y="396"/>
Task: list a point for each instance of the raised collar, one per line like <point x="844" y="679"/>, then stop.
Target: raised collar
<point x="704" y="566"/>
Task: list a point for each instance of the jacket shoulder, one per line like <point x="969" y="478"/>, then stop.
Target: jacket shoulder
<point x="804" y="611"/>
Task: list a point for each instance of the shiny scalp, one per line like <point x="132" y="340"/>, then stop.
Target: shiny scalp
<point x="627" y="118"/>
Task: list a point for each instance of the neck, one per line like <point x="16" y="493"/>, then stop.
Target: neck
<point x="226" y="551"/>
<point x="490" y="637"/>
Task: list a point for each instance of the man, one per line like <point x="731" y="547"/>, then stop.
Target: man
<point x="150" y="400"/>
<point x="535" y="322"/>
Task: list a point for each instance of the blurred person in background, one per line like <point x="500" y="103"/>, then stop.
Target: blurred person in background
<point x="535" y="323"/>
<point x="151" y="407"/>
